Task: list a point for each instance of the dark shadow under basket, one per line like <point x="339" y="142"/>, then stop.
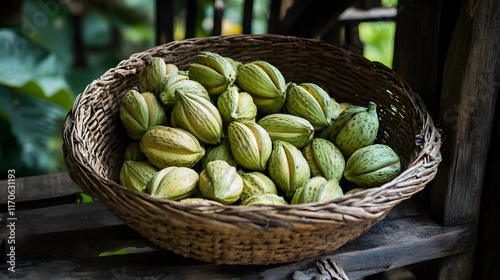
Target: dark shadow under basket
<point x="94" y="143"/>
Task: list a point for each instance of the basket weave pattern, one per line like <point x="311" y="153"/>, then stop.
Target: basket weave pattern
<point x="95" y="140"/>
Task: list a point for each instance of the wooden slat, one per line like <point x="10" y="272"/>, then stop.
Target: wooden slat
<point x="164" y="21"/>
<point x="39" y="187"/>
<point x="61" y="218"/>
<point x="82" y="231"/>
<point x="470" y="90"/>
<point x="384" y="246"/>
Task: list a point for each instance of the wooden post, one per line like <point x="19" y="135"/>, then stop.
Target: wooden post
<point x="416" y="48"/>
<point x="218" y="15"/>
<point x="191" y="18"/>
<point x="164" y="21"/>
<point x="247" y="16"/>
<point x="274" y="16"/>
<point x="471" y="82"/>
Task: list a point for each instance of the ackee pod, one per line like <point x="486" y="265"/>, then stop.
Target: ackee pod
<point x="355" y="128"/>
<point x="372" y="166"/>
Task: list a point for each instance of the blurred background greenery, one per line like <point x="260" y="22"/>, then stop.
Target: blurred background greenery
<point x="51" y="50"/>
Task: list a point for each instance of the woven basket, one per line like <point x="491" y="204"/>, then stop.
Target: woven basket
<point x="95" y="140"/>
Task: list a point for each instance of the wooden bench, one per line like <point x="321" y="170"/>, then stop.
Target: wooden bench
<point x="447" y="52"/>
<point x="55" y="239"/>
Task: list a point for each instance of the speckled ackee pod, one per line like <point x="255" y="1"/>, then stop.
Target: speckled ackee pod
<point x="324" y="159"/>
<point x="372" y="166"/>
<point x="287" y="167"/>
<point x="174" y="183"/>
<point x="355" y="128"/>
<point x="255" y="183"/>
<point x="311" y="102"/>
<point x="250" y="144"/>
<point x="221" y="182"/>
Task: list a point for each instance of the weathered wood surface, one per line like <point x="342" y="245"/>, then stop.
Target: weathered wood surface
<point x="40" y="187"/>
<point x="66" y="244"/>
<point x="471" y="83"/>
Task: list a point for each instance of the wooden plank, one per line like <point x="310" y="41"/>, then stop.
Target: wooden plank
<point x="372" y="252"/>
<point x="39" y="187"/>
<point x="61" y="218"/>
<point x="468" y="98"/>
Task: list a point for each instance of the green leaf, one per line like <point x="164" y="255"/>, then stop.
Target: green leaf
<point x="28" y="68"/>
<point x="33" y="122"/>
<point x="52" y="88"/>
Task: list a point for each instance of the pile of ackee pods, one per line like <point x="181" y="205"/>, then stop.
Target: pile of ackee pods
<point x="228" y="132"/>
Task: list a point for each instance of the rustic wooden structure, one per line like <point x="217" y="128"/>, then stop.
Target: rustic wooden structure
<point x="448" y="52"/>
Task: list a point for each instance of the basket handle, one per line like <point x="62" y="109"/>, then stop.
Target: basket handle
<point x="324" y="269"/>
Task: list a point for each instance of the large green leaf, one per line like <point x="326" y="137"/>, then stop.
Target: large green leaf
<point x="28" y="68"/>
<point x="33" y="122"/>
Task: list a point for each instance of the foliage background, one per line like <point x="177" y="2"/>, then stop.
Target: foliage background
<point x="51" y="50"/>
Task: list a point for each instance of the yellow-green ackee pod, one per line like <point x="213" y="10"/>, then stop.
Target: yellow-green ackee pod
<point x="134" y="175"/>
<point x="174" y="183"/>
<point x="167" y="146"/>
<point x="150" y="76"/>
<point x="261" y="79"/>
<point x="236" y="106"/>
<point x="328" y="191"/>
<point x="265" y="83"/>
<point x="250" y="144"/>
<point x="133" y="152"/>
<point x="307" y="190"/>
<point x="214" y="72"/>
<point x="287" y="167"/>
<point x="199" y="201"/>
<point x="289" y="128"/>
<point x="221" y="182"/>
<point x="311" y="102"/>
<point x="219" y="152"/>
<point x="256" y="183"/>
<point x="264" y="199"/>
<point x="139" y="112"/>
<point x="199" y="116"/>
